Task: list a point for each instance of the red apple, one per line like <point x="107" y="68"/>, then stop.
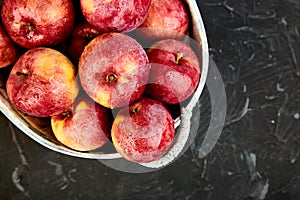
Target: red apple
<point x="114" y="69"/>
<point x="86" y="126"/>
<point x="42" y="83"/>
<point x="175" y="71"/>
<point x="115" y="15"/>
<point x="143" y="132"/>
<point x="8" y="51"/>
<point x="80" y="37"/>
<point x="33" y="23"/>
<point x="166" y="19"/>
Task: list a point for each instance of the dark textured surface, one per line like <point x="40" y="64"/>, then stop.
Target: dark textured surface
<point x="256" y="46"/>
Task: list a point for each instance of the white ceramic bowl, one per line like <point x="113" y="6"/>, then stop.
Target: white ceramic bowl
<point x="40" y="131"/>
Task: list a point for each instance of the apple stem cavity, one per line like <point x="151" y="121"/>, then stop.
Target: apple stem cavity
<point x="67" y="113"/>
<point x="136" y="109"/>
<point x="22" y="74"/>
<point x="111" y="78"/>
<point x="179" y="56"/>
<point x="89" y="36"/>
<point x="30" y="29"/>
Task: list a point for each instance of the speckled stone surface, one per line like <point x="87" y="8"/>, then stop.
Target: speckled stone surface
<point x="256" y="47"/>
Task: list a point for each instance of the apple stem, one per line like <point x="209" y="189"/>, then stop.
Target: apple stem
<point x="30" y="28"/>
<point x="89" y="36"/>
<point x="67" y="113"/>
<point x="21" y="74"/>
<point x="136" y="109"/>
<point x="111" y="77"/>
<point x="178" y="57"/>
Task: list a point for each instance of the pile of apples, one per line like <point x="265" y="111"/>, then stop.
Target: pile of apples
<point x="78" y="63"/>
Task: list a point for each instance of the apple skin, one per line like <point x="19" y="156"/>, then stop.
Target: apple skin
<point x="42" y="83"/>
<point x="80" y="37"/>
<point x="8" y="50"/>
<point x="175" y="71"/>
<point x="166" y="19"/>
<point x="143" y="132"/>
<point x="114" y="70"/>
<point x="115" y="15"/>
<point x="86" y="126"/>
<point x="35" y="23"/>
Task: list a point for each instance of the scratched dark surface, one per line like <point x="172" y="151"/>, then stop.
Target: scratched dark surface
<point x="256" y="46"/>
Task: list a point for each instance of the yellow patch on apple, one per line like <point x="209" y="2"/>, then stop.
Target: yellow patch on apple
<point x="58" y="131"/>
<point x="103" y="99"/>
<point x="124" y="80"/>
<point x="128" y="64"/>
<point x="117" y="146"/>
<point x="82" y="106"/>
<point x="118" y="119"/>
<point x="46" y="66"/>
<point x="89" y="6"/>
<point x="113" y="137"/>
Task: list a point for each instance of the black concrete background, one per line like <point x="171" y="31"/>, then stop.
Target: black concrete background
<point x="256" y="46"/>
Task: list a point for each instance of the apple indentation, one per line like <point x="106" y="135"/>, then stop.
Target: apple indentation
<point x="24" y="74"/>
<point x="30" y="28"/>
<point x="111" y="77"/>
<point x="136" y="109"/>
<point x="89" y="36"/>
<point x="67" y="113"/>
